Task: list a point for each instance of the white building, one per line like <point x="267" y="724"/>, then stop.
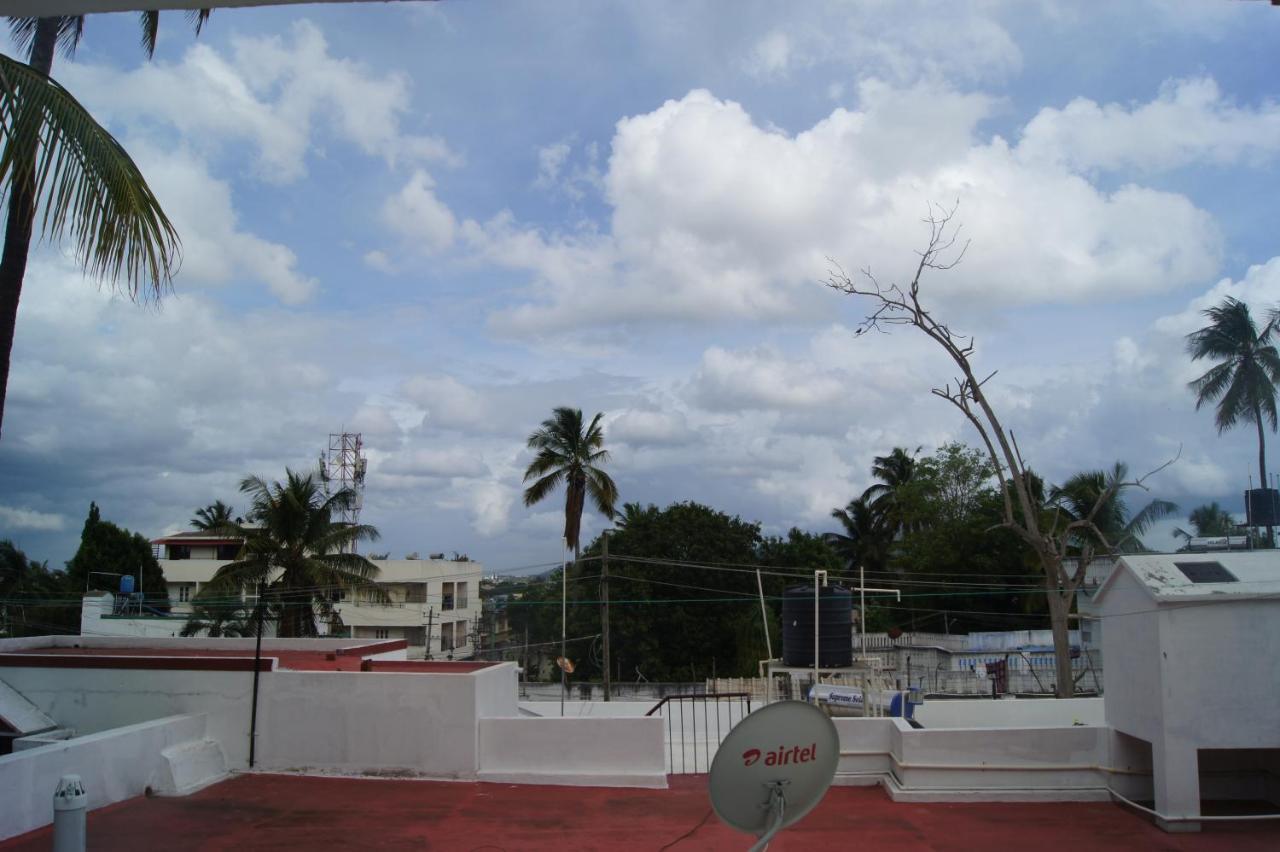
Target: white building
<point x="1192" y="645"/>
<point x="436" y="596"/>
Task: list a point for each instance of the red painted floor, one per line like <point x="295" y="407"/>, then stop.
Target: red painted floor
<point x="290" y="812"/>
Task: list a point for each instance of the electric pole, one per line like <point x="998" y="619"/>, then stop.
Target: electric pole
<point x="604" y="607"/>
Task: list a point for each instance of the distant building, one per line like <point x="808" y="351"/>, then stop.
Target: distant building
<point x="435" y="596"/>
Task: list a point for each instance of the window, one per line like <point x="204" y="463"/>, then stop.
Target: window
<point x="179" y="551"/>
<point x="381" y="633"/>
<point x="446" y="637"/>
<point x="1205" y="572"/>
<point x="459" y="633"/>
<point x="462" y="595"/>
<point x="228" y="552"/>
<point x="184" y="593"/>
<point x="446" y="594"/>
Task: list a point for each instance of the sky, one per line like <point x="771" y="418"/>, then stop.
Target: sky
<point x="434" y="223"/>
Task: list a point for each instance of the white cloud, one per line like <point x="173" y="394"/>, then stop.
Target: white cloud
<point x="1190" y="121"/>
<point x="717" y="217"/>
<point x="378" y="260"/>
<point x="15" y="519"/>
<point x="269" y="92"/>
<point x="641" y="428"/>
<point x="731" y="381"/>
<point x="214" y="247"/>
<point x="551" y="159"/>
<point x="771" y="54"/>
<point x="437" y="463"/>
<point x="448" y="403"/>
<point x="419" y="216"/>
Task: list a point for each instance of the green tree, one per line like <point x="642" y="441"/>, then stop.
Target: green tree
<point x="1243" y="380"/>
<point x="893" y="474"/>
<point x="960" y="568"/>
<point x="216" y="517"/>
<point x="670" y="619"/>
<point x="106" y="553"/>
<point x="567" y="453"/>
<point x="1208" y="520"/>
<point x="866" y="538"/>
<point x="1098" y="496"/>
<point x="57" y="157"/>
<point x="216" y="616"/>
<point x="293" y="546"/>
<point x="32" y="598"/>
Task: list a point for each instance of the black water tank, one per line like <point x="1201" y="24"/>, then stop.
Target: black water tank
<point x="835" y="636"/>
<point x="1262" y="507"/>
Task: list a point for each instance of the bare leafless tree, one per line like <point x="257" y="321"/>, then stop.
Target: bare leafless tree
<point x="1053" y="535"/>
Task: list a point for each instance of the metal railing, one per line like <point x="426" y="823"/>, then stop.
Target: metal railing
<point x="699" y="723"/>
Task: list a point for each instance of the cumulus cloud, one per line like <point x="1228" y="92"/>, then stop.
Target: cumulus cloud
<point x="418" y="215"/>
<point x="215" y="248"/>
<point x="1190" y="121"/>
<point x="715" y="217"/>
<point x="268" y="91"/>
<point x="15" y="519"/>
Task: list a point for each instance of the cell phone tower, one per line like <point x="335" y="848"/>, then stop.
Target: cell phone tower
<point x="342" y="468"/>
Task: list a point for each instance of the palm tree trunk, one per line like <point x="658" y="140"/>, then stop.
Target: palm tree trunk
<point x="22" y="210"/>
<point x="1262" y="469"/>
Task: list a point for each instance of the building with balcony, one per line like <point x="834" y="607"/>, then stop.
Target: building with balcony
<point x="434" y="606"/>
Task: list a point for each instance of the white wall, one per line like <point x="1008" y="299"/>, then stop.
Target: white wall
<point x="114" y="765"/>
<point x="1131" y="647"/>
<point x="424" y="724"/>
<point x="602" y="752"/>
<point x="1010" y="713"/>
<point x="93" y="621"/>
<point x="94" y="700"/>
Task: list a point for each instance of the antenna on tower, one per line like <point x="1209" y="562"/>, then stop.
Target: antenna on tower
<point x="342" y="468"/>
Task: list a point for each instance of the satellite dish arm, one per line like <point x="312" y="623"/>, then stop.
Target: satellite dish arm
<point x="778" y="807"/>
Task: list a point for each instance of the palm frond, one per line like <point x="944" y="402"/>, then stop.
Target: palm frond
<point x="90" y="189"/>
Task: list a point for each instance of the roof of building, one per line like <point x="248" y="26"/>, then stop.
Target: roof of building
<point x="196" y="537"/>
<point x="197" y="655"/>
<point x="1178" y="577"/>
<point x="266" y="811"/>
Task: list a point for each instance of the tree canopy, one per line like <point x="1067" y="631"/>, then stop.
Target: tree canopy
<point x="106" y="553"/>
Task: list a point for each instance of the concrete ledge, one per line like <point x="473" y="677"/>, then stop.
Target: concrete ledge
<point x="937" y="794"/>
<point x="648" y="780"/>
<point x="189" y="767"/>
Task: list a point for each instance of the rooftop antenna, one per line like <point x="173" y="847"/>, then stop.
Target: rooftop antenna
<point x="343" y="468"/>
<point x="773" y="768"/>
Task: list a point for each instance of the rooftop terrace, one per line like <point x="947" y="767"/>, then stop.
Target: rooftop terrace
<point x="262" y="811"/>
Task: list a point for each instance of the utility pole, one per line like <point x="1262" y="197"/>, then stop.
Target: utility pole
<point x="564" y="608"/>
<point x="257" y="664"/>
<point x="604" y="611"/>
<point x="431" y="613"/>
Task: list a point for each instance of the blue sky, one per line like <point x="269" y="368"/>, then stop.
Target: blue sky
<point x="433" y="223"/>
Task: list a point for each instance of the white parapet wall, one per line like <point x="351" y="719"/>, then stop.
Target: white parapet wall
<point x="1010" y="713"/>
<point x="598" y="751"/>
<point x="114" y="765"/>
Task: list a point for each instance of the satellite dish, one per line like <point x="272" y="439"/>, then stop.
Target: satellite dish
<point x="773" y="768"/>
<point x="565" y="664"/>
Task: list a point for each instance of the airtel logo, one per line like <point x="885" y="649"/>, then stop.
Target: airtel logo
<point x="781" y="756"/>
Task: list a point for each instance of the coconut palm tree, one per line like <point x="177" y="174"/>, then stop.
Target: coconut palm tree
<point x="57" y="157"/>
<point x="1207" y="521"/>
<point x="865" y="540"/>
<point x="894" y="472"/>
<point x="216" y="617"/>
<point x="1243" y="381"/>
<point x="1118" y="531"/>
<point x="216" y="517"/>
<point x="566" y="452"/>
<point x="296" y="552"/>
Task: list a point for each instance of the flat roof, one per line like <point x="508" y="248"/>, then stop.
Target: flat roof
<point x="352" y="659"/>
<point x="265" y="811"/>
<point x="1255" y="573"/>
